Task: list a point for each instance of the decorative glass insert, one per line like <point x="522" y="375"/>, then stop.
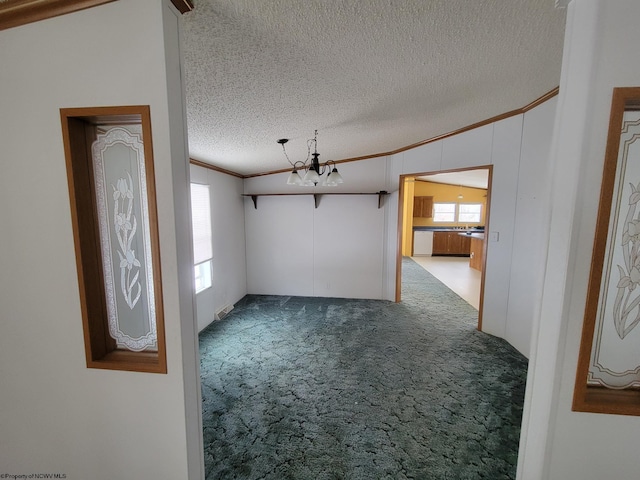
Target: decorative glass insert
<point x="615" y="354"/>
<point x="121" y="193"/>
<point x="608" y="374"/>
<point x="110" y="171"/>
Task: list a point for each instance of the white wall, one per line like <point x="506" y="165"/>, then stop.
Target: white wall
<point x="229" y="281"/>
<point x="531" y="217"/>
<point x="600" y="48"/>
<point x="335" y="250"/>
<point x="505" y="157"/>
<point x="57" y="416"/>
<point x="347" y="247"/>
<point x="516" y="147"/>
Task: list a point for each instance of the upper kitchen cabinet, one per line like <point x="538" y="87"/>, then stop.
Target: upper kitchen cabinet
<point x="423" y="207"/>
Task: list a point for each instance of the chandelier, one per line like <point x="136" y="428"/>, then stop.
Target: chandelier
<point x="314" y="171"/>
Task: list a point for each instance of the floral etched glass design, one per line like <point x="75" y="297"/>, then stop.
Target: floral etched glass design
<point x="615" y="353"/>
<point x="123" y="215"/>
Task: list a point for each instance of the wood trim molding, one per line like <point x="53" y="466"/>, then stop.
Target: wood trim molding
<point x="539" y="101"/>
<point x="198" y="163"/>
<point x="79" y="130"/>
<point x="588" y="397"/>
<point x="547" y="96"/>
<point x="183" y="6"/>
<point x="14" y="13"/>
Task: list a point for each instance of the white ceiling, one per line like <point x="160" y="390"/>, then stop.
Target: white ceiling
<point x="371" y="76"/>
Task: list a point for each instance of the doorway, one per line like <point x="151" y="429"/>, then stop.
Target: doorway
<point x="447" y="214"/>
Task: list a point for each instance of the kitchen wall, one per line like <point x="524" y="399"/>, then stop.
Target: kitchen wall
<point x="600" y="50"/>
<point x="443" y="193"/>
<point x="407" y="216"/>
<point x="58" y="416"/>
<point x="229" y="280"/>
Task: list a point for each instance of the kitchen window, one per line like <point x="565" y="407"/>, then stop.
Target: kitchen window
<point x="469" y="212"/>
<point x="444" y="212"/>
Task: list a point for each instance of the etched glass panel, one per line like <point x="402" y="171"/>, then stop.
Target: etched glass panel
<point x="615" y="353"/>
<point x="123" y="215"/>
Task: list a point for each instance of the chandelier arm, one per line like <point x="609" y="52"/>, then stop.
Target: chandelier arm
<point x="303" y="165"/>
<point x="285" y="154"/>
<point x="328" y="165"/>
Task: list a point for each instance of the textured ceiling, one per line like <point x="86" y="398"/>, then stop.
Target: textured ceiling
<point x="371" y="76"/>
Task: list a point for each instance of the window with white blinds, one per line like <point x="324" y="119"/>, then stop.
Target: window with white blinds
<point x="201" y="222"/>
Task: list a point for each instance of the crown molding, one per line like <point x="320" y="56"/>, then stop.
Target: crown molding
<point x="183" y="6"/>
<point x="14" y="13"/>
<point x="518" y="111"/>
<point x="198" y="163"/>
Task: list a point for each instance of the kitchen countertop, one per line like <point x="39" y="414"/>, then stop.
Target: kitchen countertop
<point x="478" y="235"/>
<point x="446" y="229"/>
<point x="472" y="232"/>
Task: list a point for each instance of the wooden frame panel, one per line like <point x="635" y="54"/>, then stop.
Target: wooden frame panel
<point x="588" y="397"/>
<point x="80" y="129"/>
<point x="14" y="13"/>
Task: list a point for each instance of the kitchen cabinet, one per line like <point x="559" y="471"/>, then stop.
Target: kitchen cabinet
<point x="440" y="243"/>
<point x="451" y="243"/>
<point x="476" y="253"/>
<point x="423" y="207"/>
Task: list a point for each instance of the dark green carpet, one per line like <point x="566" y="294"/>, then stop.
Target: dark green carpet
<point x="323" y="388"/>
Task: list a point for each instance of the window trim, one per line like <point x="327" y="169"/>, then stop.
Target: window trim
<point x="79" y="130"/>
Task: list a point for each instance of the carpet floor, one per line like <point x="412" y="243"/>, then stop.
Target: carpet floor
<point x="326" y="388"/>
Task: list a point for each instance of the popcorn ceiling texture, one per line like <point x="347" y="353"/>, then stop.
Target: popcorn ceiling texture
<point x="371" y="76"/>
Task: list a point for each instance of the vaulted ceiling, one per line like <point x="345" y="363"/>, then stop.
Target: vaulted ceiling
<point x="371" y="76"/>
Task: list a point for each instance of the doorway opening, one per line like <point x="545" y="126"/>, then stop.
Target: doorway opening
<point x="442" y="219"/>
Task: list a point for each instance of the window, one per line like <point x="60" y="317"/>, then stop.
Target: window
<point x="469" y="212"/>
<point x="444" y="212"/>
<point x="201" y="224"/>
<point x="203" y="276"/>
<point x="110" y="171"/>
